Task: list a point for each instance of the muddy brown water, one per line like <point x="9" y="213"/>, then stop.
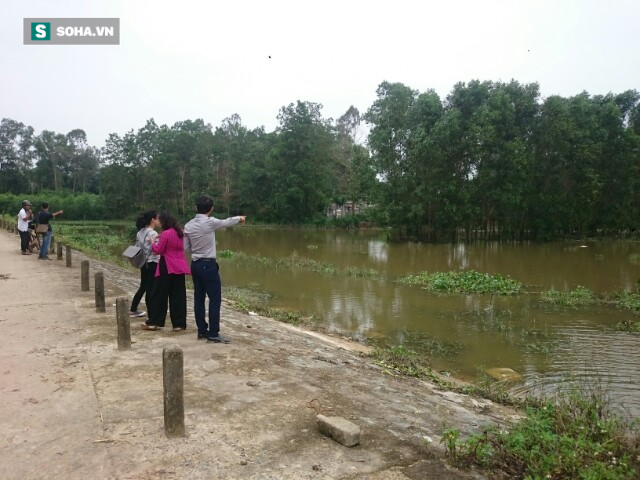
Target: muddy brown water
<point x="550" y="347"/>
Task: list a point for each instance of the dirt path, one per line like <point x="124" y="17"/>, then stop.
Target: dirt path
<point x="74" y="407"/>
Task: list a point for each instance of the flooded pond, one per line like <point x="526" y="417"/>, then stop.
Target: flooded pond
<point x="549" y="346"/>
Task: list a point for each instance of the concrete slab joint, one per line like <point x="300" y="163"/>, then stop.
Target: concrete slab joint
<point x="339" y="429"/>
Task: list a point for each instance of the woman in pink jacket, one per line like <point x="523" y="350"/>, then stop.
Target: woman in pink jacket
<point x="169" y="286"/>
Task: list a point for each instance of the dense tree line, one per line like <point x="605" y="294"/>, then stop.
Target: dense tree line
<point x="494" y="160"/>
<point x="491" y="160"/>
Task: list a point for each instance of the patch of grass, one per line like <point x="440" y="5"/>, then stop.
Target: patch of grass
<point x="468" y="281"/>
<point x="628" y="326"/>
<point x="247" y="300"/>
<point x="576" y="436"/>
<point x="401" y="360"/>
<point x="294" y="261"/>
<point x="95" y="240"/>
<point x="429" y="346"/>
<point x="487" y="319"/>
<point x="398" y="359"/>
<point x="627" y="300"/>
<point x="571" y="298"/>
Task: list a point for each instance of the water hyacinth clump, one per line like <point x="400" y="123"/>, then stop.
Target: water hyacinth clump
<point x="571" y="298"/>
<point x="627" y="300"/>
<point x="468" y="281"/>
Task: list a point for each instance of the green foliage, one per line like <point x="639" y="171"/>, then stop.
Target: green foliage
<point x="97" y="240"/>
<point x="468" y="281"/>
<point x="577" y="436"/>
<point x="401" y="360"/>
<point x="83" y="206"/>
<point x="247" y="300"/>
<point x="579" y="296"/>
<point x="628" y="300"/>
<point x="492" y="160"/>
<point x="628" y="326"/>
<point x="428" y="345"/>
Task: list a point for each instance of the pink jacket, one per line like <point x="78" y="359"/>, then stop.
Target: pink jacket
<point x="171" y="247"/>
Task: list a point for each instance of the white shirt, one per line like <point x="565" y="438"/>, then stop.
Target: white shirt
<point x="200" y="237"/>
<point x="23" y="220"/>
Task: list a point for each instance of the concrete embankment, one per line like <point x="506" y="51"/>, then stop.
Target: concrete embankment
<point x="75" y="407"/>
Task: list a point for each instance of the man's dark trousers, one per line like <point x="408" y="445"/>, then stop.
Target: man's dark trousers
<point x="206" y="282"/>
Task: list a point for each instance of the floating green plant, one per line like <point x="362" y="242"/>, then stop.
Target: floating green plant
<point x="468" y="281"/>
<point x="579" y="296"/>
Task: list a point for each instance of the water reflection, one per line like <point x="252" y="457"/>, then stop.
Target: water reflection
<point x="378" y="250"/>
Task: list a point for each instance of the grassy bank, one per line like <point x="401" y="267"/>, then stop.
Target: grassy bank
<point x="574" y="436"/>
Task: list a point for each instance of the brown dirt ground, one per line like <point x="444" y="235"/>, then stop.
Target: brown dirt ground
<point x="75" y="407"/>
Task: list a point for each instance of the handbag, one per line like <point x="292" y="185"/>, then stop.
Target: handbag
<point x="42" y="228"/>
<point x="135" y="254"/>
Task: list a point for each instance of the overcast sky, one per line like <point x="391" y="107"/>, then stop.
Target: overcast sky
<point x="188" y="59"/>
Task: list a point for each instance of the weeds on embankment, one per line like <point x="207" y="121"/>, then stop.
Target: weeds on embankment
<point x="575" y="436"/>
<point x="578" y="435"/>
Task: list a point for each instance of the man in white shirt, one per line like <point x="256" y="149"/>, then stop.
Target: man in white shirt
<point x="200" y="240"/>
<point x="24" y="216"/>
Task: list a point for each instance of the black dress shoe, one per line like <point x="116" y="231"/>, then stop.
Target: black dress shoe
<point x="218" y="339"/>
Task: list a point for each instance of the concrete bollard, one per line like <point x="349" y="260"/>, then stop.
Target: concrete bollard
<point x="84" y="275"/>
<point x="59" y="252"/>
<point x="68" y="255"/>
<point x="99" y="287"/>
<point x="173" y="383"/>
<point x="124" y="328"/>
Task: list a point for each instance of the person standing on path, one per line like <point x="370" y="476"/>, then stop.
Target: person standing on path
<point x="146" y="224"/>
<point x="24" y="216"/>
<point x="200" y="240"/>
<point x="43" y="219"/>
<point x="169" y="286"/>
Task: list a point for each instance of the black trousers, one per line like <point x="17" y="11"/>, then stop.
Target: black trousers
<point x="172" y="290"/>
<point x="25" y="237"/>
<point x="147" y="276"/>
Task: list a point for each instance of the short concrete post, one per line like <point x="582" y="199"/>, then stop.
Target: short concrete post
<point x="124" y="329"/>
<point x="99" y="287"/>
<point x="84" y="275"/>
<point x="68" y="255"/>
<point x="51" y="245"/>
<point x="173" y="382"/>
<point x="59" y="252"/>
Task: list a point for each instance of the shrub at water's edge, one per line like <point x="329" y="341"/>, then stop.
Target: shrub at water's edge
<point x="576" y="436"/>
